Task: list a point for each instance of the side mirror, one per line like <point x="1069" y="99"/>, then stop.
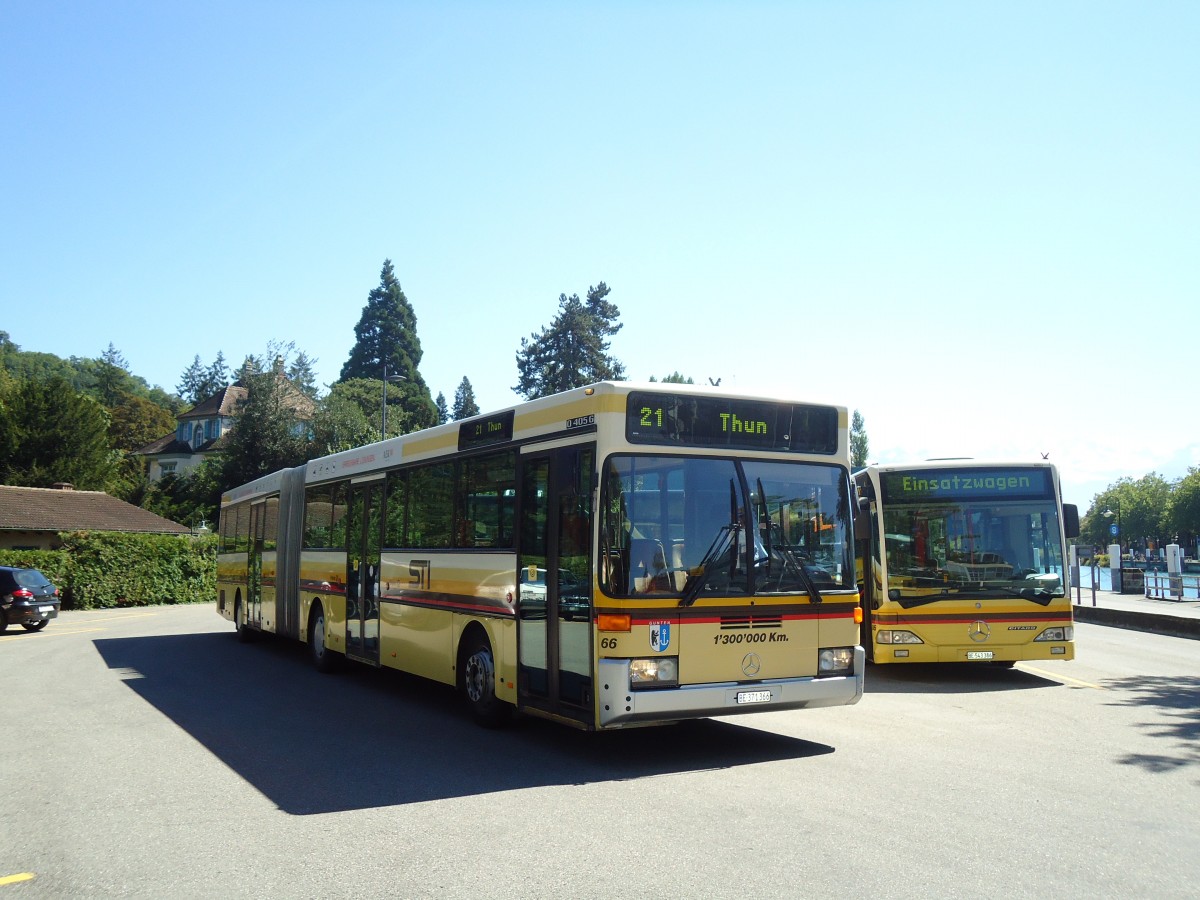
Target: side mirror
<point x="862" y="520"/>
<point x="1071" y="520"/>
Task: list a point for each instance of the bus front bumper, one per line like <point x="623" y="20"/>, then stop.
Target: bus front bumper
<point x="620" y="705"/>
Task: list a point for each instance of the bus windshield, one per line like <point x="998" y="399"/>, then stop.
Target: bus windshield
<point x="942" y="549"/>
<point x="742" y="526"/>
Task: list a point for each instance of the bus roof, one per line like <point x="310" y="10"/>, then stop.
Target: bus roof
<point x="545" y="417"/>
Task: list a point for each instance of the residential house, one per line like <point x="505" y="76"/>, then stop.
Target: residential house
<point x="31" y="518"/>
<point x="205" y="428"/>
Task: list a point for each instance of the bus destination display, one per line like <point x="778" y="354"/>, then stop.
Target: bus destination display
<point x="652" y="418"/>
<point x="922" y="485"/>
<point x="486" y="430"/>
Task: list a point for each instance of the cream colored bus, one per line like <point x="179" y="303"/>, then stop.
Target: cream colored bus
<point x="613" y="555"/>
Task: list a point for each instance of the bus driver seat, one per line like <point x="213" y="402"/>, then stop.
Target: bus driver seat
<point x="648" y="567"/>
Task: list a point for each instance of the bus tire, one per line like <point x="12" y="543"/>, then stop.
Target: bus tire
<point x="245" y="634"/>
<point x="478" y="682"/>
<point x="323" y="659"/>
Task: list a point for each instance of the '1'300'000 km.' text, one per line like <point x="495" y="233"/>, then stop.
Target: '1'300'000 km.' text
<point x="759" y="638"/>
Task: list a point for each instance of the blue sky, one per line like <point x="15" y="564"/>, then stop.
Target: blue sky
<point x="977" y="223"/>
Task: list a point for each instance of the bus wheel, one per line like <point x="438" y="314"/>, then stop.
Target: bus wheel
<point x="324" y="659"/>
<point x="478" y="683"/>
<point x="244" y="633"/>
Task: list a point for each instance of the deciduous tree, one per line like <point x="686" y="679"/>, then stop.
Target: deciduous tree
<point x="1183" y="512"/>
<point x="342" y="417"/>
<point x="135" y="421"/>
<point x="409" y="406"/>
<point x="268" y="433"/>
<point x="1138" y="507"/>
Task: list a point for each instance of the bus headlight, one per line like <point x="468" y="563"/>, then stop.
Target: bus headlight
<point x="1057" y="633"/>
<point x="835" y="661"/>
<point x="654" y="671"/>
<point x="897" y="637"/>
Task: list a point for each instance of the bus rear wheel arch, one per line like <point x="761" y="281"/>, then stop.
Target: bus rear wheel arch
<point x="477" y="678"/>
<point x="323" y="659"/>
<point x="245" y="634"/>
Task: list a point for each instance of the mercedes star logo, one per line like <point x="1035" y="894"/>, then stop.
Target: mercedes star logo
<point x="751" y="665"/>
<point x="979" y="631"/>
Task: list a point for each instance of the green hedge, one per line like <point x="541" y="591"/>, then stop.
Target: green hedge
<point x="105" y="569"/>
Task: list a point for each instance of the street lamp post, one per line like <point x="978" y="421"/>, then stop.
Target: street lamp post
<point x="1108" y="514"/>
<point x="394" y="379"/>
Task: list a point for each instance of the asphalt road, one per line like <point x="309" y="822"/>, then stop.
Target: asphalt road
<point x="147" y="754"/>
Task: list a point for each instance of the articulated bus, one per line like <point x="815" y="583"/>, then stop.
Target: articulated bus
<point x="610" y="556"/>
<point x="963" y="561"/>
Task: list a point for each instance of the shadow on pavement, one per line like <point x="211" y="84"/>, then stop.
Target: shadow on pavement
<point x="1177" y="703"/>
<point x="951" y="678"/>
<point x="316" y="743"/>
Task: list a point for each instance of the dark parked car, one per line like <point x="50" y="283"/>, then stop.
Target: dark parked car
<point x="26" y="598"/>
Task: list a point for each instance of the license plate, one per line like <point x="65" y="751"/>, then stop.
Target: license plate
<point x="45" y="609"/>
<point x="980" y="654"/>
<point x="753" y="696"/>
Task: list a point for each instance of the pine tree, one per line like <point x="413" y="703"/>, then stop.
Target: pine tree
<point x="573" y="350"/>
<point x="250" y="367"/>
<point x="859" y="445"/>
<point x="302" y="373"/>
<point x="443" y="411"/>
<point x="386" y="335"/>
<point x="112" y="377"/>
<point x="191" y="381"/>
<point x="198" y="383"/>
<point x="216" y="378"/>
<point x="57" y="434"/>
<point x="464" y="401"/>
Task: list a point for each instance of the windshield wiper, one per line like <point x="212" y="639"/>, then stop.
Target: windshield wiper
<point x="1039" y="596"/>
<point x="789" y="557"/>
<point x="698" y="576"/>
<point x="910" y="602"/>
<point x="726" y="536"/>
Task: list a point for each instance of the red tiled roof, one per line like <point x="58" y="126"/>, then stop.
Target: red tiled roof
<point x="50" y="509"/>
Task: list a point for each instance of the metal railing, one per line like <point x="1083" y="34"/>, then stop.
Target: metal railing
<point x="1165" y="586"/>
<point x="1077" y="581"/>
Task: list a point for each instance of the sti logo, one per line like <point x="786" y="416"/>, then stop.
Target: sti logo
<point x="660" y="636"/>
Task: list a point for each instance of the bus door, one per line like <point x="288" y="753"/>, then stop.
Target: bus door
<point x="869" y="570"/>
<point x="554" y="635"/>
<point x="258" y="519"/>
<point x="363" y="522"/>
